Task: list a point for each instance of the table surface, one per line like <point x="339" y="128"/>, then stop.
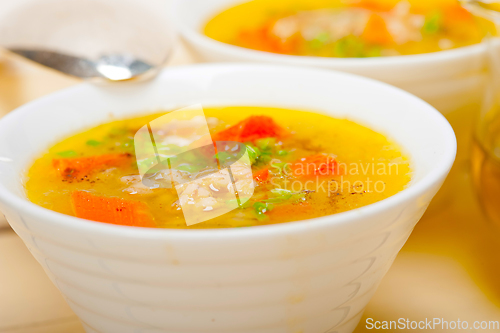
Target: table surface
<point x="437" y="274"/>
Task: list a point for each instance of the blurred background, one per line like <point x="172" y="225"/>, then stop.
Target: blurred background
<point x="450" y="267"/>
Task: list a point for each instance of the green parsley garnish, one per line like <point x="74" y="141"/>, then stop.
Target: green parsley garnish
<point x="261" y="208"/>
<point x="433" y="23"/>
<point x="93" y="143"/>
<point x="68" y="153"/>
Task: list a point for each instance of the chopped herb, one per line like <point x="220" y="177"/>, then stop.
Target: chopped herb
<point x="253" y="153"/>
<point x="265" y="157"/>
<point x="283" y="152"/>
<point x="261" y="208"/>
<point x="281" y="192"/>
<point x="223" y="156"/>
<point x="320" y="40"/>
<point x="93" y="143"/>
<point x="68" y="153"/>
<point x="258" y="156"/>
<point x="282" y="195"/>
<point x="128" y="143"/>
<point x="433" y="23"/>
<point x="262" y="152"/>
<point x="351" y="47"/>
<point x="266" y="143"/>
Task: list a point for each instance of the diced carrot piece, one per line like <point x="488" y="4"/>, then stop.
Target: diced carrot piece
<point x="316" y="165"/>
<point x="264" y="39"/>
<point x="457" y="13"/>
<point x="251" y="129"/>
<point x="261" y="176"/>
<point x="77" y="168"/>
<point x="111" y="210"/>
<point x="376" y="31"/>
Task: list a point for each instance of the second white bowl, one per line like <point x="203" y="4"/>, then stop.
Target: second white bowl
<point x="449" y="80"/>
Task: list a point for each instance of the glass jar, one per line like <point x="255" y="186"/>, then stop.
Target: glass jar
<point x="486" y="147"/>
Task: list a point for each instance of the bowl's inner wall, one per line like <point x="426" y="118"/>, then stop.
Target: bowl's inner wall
<point x="419" y="129"/>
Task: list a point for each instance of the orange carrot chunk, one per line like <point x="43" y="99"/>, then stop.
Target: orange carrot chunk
<point x="316" y="165"/>
<point x="77" y="168"/>
<point x="264" y="38"/>
<point x="457" y="13"/>
<point x="252" y="129"/>
<point x="376" y="31"/>
<point x="111" y="210"/>
<point x="261" y="176"/>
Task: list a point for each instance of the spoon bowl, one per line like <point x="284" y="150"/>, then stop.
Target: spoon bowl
<point x="107" y="40"/>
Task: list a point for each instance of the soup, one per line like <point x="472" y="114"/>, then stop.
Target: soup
<point x="302" y="165"/>
<point x="346" y="29"/>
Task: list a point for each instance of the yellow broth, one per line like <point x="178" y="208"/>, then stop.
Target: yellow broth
<point x="370" y="169"/>
<point x="346" y="29"/>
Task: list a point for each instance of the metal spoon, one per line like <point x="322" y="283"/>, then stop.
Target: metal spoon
<point x="114" y="67"/>
<point x="101" y="40"/>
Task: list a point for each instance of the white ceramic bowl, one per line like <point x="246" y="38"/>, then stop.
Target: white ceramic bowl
<point x="314" y="276"/>
<point x="449" y="80"/>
